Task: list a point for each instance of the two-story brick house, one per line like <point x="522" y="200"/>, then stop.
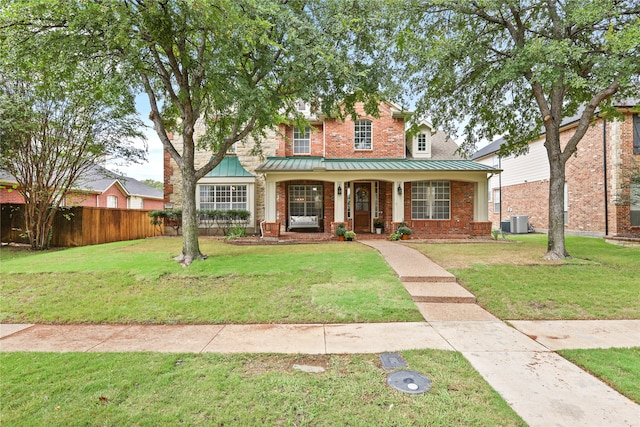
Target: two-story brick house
<point x="353" y="172"/>
<point x="600" y="197"/>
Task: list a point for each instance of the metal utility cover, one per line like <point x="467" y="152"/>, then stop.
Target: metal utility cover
<point x="392" y="361"/>
<point x="409" y="382"/>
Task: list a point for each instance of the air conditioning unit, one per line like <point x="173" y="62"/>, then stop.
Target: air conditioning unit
<point x="519" y="224"/>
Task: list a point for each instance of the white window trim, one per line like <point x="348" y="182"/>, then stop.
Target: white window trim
<point x="431" y="203"/>
<point x="355" y="124"/>
<point x="306" y="138"/>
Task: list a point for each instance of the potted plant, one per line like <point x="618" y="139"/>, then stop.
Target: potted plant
<point x="350" y="235"/>
<point x="378" y="224"/>
<point x="395" y="236"/>
<point x="404" y="231"/>
<point x="340" y="231"/>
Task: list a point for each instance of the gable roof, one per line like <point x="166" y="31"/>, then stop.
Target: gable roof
<point x="299" y="164"/>
<point x="97" y="179"/>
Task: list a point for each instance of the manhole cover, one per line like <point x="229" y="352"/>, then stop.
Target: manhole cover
<point x="409" y="382"/>
<point x="392" y="361"/>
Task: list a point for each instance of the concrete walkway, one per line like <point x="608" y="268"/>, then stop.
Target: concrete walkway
<point x="517" y="360"/>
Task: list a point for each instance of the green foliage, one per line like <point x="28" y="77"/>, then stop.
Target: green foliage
<point x="341" y="229"/>
<point x="404" y="229"/>
<point x="63" y="107"/>
<point x="350" y="235"/>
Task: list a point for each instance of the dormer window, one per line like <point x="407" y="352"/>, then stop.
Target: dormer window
<point x="302" y="106"/>
<point x="422" y="143"/>
<point x="421" y="146"/>
<point x="302" y="140"/>
<point x="362" y="135"/>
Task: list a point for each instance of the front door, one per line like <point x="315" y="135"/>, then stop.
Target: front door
<point x="362" y="212"/>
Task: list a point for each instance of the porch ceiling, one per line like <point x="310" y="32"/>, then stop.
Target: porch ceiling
<point x="310" y="164"/>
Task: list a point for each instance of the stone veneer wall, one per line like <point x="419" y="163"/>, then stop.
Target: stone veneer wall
<point x="173" y="177"/>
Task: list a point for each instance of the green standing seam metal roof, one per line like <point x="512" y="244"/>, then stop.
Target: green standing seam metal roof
<point x="298" y="164"/>
<point x="229" y="166"/>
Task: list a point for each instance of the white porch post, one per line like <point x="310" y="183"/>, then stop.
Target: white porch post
<point x="338" y="208"/>
<point x="269" y="201"/>
<point x="481" y="201"/>
<point x="398" y="202"/>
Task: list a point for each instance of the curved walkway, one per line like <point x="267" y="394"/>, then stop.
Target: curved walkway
<point x="517" y="361"/>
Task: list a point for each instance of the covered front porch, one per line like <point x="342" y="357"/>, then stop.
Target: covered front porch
<point x="313" y="195"/>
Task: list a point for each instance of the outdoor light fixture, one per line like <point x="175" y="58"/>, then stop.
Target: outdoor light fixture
<point x="339" y="191"/>
<point x="399" y="190"/>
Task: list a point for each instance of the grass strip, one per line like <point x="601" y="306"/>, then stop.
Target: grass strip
<point x="618" y="367"/>
<point x="43" y="389"/>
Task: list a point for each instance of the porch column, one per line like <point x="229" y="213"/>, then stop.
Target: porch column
<point x="398" y="202"/>
<point x="481" y="201"/>
<point x="338" y="205"/>
<point x="270" y="201"/>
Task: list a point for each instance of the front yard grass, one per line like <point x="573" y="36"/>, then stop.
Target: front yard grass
<point x="618" y="367"/>
<point x="138" y="282"/>
<point x="512" y="281"/>
<point x="143" y="389"/>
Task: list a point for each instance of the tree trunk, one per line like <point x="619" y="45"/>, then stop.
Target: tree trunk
<point x="190" y="243"/>
<point x="556" y="246"/>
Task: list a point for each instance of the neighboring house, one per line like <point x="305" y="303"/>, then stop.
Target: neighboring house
<point x="350" y="172"/>
<point x="98" y="187"/>
<point x="600" y="198"/>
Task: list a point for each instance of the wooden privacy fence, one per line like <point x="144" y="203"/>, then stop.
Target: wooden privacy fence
<point x="82" y="226"/>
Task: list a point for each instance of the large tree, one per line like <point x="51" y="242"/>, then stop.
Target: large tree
<point x="518" y="69"/>
<point x="60" y="113"/>
<point x="236" y="67"/>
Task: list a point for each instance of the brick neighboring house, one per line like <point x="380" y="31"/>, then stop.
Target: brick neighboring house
<point x="344" y="171"/>
<point x="98" y="187"/>
<point x="597" y="188"/>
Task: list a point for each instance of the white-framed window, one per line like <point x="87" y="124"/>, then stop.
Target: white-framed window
<point x="431" y="200"/>
<point x="112" y="202"/>
<point x="223" y="197"/>
<point x="496" y="200"/>
<point x="305" y="200"/>
<point x="302" y="140"/>
<point x="362" y="135"/>
<point x="635" y="203"/>
<point x="302" y="106"/>
<point x="422" y="143"/>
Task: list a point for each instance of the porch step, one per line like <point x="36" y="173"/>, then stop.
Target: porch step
<point x="439" y="292"/>
<point x="440" y="277"/>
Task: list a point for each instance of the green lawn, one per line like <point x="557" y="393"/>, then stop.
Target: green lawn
<point x="511" y="280"/>
<point x="44" y="389"/>
<point x="138" y="282"/>
<point x="619" y="367"/>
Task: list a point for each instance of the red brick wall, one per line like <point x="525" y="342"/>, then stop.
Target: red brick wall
<point x="585" y="185"/>
<point x="461" y="223"/>
<point x="387" y="136"/>
<point x="285" y="141"/>
<point x="78" y="198"/>
<point x="524" y="199"/>
<point x="8" y="194"/>
<point x="114" y="190"/>
<point x="152" y="204"/>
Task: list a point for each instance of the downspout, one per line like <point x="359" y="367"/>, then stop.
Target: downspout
<point x="500" y="188"/>
<point x="606" y="184"/>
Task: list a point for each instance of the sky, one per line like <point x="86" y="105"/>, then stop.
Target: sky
<point x="153" y="167"/>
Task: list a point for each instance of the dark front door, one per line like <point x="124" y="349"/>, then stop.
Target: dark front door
<point x="362" y="212"/>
